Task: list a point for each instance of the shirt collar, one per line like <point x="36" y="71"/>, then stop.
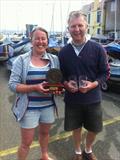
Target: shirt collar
<point x="86" y="40"/>
<point x="44" y="56"/>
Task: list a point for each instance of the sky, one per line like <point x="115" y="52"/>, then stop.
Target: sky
<point x="50" y="14"/>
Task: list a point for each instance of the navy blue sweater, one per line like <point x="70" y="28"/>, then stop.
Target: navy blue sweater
<point x="91" y="61"/>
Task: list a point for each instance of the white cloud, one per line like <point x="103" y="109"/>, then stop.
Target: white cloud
<point x="51" y="14"/>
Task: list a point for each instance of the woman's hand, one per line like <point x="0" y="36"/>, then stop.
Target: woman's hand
<point x="41" y="88"/>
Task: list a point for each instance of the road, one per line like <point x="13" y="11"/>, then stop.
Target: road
<point x="107" y="144"/>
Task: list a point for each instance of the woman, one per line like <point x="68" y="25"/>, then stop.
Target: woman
<point x="34" y="106"/>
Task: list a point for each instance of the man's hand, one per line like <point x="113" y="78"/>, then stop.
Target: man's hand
<point x="71" y="86"/>
<point x="89" y="86"/>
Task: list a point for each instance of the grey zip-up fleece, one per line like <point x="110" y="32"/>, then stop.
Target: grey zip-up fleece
<point x="18" y="76"/>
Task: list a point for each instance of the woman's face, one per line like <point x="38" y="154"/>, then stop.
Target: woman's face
<point x="39" y="41"/>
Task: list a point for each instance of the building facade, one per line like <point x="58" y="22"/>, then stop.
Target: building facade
<point x="103" y="18"/>
<point x="111" y="13"/>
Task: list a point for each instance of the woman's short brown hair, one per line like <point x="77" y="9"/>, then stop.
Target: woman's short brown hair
<point x="40" y="29"/>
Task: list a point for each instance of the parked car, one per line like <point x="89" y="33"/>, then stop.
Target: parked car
<point x="101" y="39"/>
<point x="113" y="50"/>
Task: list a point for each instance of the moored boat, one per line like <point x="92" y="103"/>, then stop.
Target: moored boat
<point x="5" y="51"/>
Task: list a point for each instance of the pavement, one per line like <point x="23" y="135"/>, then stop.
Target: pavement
<point x="106" y="146"/>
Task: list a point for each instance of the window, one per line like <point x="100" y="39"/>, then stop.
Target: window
<point x="88" y="31"/>
<point x="89" y="18"/>
<point x="98" y="16"/>
<point x="112" y="6"/>
<point x="98" y="30"/>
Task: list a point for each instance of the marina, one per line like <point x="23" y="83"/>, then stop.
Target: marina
<point x="18" y="19"/>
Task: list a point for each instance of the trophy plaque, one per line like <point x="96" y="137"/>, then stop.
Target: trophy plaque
<point x="54" y="78"/>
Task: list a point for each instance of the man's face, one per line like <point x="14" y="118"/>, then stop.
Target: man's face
<point x="77" y="28"/>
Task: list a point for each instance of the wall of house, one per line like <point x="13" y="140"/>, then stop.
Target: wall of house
<point x="109" y="9"/>
<point x="107" y="25"/>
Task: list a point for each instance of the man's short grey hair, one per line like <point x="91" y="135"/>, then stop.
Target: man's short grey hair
<point x="76" y="14"/>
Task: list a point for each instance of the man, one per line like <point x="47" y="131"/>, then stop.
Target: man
<point x="82" y="57"/>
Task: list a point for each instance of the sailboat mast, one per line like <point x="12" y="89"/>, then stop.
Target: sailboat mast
<point x="62" y="35"/>
<point x="52" y="21"/>
<point x="115" y="28"/>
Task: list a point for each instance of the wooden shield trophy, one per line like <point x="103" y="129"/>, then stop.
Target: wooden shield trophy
<point x="54" y="78"/>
